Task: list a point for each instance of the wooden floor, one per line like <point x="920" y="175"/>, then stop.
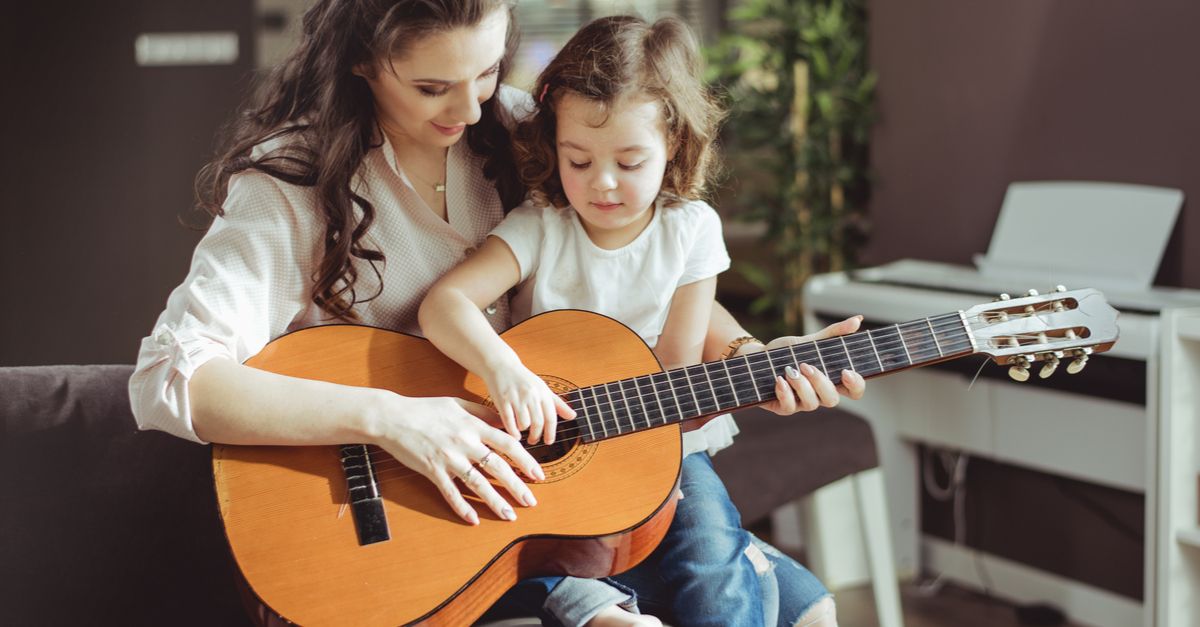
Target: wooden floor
<point x="949" y="607"/>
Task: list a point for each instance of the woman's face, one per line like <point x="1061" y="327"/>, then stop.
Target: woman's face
<point x="430" y="94"/>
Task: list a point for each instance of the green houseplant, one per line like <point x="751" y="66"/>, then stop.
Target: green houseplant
<point x="801" y="105"/>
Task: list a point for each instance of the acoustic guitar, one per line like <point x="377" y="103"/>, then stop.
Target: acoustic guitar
<point x="345" y="535"/>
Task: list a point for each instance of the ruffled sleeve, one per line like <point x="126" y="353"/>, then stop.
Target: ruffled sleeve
<point x="250" y="277"/>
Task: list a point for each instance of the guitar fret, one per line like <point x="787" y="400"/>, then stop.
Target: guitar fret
<point x="903" y="343"/>
<point x="817" y="346"/>
<point x="628" y="409"/>
<point x="753" y="376"/>
<point x="643" y="394"/>
<point x="686" y="397"/>
<point x="875" y="350"/>
<point x="671" y="386"/>
<point x="732" y="386"/>
<point x="600" y="410"/>
<point x="641" y="402"/>
<point x="691" y="389"/>
<point x="757" y="372"/>
<point x="663" y="412"/>
<point x="711" y="388"/>
<point x="935" y="340"/>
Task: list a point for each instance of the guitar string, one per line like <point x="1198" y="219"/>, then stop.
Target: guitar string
<point x="945" y="321"/>
<point x="722" y="395"/>
<point x="740" y="384"/>
<point x="571" y="429"/>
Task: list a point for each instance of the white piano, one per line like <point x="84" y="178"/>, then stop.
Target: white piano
<point x="1125" y="422"/>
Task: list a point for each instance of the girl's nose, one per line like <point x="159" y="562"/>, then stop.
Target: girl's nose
<point x="604" y="180"/>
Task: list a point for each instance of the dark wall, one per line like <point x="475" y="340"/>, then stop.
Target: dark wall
<point x="975" y="94"/>
<point x="99" y="156"/>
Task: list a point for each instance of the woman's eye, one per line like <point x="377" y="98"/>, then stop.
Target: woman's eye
<point x="432" y="92"/>
<point x="631" y="166"/>
<point x="579" y="166"/>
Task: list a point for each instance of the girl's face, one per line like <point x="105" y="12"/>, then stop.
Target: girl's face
<point x="439" y="84"/>
<point x="611" y="165"/>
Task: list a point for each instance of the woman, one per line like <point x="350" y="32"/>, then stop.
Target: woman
<point x="375" y="160"/>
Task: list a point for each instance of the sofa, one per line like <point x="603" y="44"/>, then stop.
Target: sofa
<point x="101" y="524"/>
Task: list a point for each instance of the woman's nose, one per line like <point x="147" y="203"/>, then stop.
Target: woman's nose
<point x="466" y="105"/>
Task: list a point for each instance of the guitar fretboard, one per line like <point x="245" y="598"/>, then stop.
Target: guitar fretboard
<point x="654" y="400"/>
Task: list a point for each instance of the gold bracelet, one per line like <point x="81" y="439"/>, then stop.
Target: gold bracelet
<point x="736" y="344"/>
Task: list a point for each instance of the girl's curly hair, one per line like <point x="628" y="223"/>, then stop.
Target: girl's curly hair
<point x="613" y="58"/>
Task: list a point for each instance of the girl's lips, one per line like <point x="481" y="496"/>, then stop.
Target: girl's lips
<point x="606" y="206"/>
<point x="449" y="130"/>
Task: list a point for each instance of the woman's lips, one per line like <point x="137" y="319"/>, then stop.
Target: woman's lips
<point x="449" y="130"/>
<point x="606" y="206"/>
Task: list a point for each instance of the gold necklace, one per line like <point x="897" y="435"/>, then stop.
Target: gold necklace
<point x="439" y="188"/>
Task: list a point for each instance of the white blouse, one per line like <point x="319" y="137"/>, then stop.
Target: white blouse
<point x="251" y="274"/>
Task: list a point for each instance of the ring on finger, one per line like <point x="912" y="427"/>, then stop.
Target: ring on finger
<point x="466" y="475"/>
<point x="484" y="460"/>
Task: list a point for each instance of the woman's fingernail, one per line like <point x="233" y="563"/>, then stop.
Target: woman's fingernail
<point x="807" y="369"/>
<point x="508" y="513"/>
<point x="538" y="474"/>
<point x="791" y="372"/>
<point x="529" y="499"/>
<point x="472" y="517"/>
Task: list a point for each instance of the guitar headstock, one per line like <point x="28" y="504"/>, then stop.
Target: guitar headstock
<point x="1043" y="327"/>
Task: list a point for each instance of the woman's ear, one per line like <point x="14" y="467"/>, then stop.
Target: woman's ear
<point x="362" y="70"/>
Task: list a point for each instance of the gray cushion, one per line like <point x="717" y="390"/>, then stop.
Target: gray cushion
<point x="101" y="523"/>
<point x="777" y="459"/>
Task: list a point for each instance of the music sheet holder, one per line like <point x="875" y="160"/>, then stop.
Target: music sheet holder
<point x="1105" y="235"/>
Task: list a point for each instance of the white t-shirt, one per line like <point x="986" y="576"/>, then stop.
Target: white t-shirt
<point x="561" y="268"/>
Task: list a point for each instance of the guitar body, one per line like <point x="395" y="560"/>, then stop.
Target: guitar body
<point x="603" y="507"/>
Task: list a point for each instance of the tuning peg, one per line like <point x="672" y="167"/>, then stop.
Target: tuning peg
<point x="1004" y="297"/>
<point x="1051" y="365"/>
<point x="1081" y="359"/>
<point x="1019" y="371"/>
<point x="1060" y="288"/>
<point x="1031" y="293"/>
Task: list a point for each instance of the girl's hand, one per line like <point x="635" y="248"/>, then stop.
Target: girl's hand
<point x="524" y="401"/>
<point x="448" y="438"/>
<point x="807" y="388"/>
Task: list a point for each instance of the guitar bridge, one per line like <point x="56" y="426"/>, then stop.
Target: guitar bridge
<point x="366" y="506"/>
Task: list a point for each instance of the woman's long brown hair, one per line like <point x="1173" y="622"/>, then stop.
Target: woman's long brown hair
<point x="325" y="116"/>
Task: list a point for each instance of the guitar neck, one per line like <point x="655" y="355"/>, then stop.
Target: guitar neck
<point x="619" y="407"/>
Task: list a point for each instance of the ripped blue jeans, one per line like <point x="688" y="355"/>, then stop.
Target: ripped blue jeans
<point x="702" y="573"/>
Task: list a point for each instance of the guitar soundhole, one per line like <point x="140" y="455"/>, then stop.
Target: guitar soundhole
<point x="567" y="455"/>
<point x="552" y="452"/>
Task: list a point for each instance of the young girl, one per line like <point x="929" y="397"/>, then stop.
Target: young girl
<point x="617" y="154"/>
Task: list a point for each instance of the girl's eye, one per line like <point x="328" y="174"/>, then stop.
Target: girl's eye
<point x="432" y="92"/>
<point x="630" y="167"/>
<point x="494" y="70"/>
<point x="579" y="166"/>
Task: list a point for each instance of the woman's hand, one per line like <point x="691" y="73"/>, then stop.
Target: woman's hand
<point x="524" y="401"/>
<point x="806" y="388"/>
<point x="449" y="438"/>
